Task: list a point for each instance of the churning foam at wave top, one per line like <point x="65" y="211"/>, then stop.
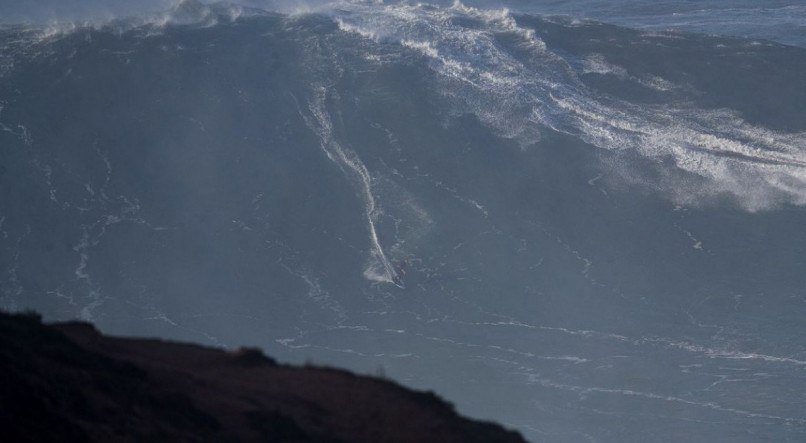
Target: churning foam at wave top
<point x="488" y="65"/>
<point x="486" y="74"/>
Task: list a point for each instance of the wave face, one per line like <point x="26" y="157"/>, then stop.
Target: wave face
<point x="584" y="231"/>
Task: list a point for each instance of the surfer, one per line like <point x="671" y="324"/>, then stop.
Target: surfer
<point x="400" y="267"/>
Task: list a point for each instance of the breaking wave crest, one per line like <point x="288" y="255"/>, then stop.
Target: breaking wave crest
<point x="489" y="65"/>
<point x="181" y="13"/>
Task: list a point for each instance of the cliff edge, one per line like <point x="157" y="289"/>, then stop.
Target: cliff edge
<point x="68" y="382"/>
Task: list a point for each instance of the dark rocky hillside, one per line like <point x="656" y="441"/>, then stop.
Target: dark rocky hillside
<point x="68" y="382"/>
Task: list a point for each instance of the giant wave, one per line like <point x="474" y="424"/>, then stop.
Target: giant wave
<point x="552" y="221"/>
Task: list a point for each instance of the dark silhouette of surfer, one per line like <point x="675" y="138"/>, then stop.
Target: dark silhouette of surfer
<point x="400" y="267"/>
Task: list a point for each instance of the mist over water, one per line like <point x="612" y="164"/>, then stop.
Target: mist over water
<point x="586" y="231"/>
<point x="783" y="21"/>
<point x="43" y="11"/>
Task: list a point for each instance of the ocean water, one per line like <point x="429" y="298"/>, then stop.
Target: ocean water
<point x="581" y="219"/>
<point x="783" y="21"/>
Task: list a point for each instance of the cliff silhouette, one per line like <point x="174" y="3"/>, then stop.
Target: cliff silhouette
<point x="69" y="382"/>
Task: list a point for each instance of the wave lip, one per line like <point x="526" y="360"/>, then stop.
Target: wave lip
<point x="489" y="65"/>
<point x="521" y="89"/>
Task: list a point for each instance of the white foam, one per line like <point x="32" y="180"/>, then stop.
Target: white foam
<point x="587" y="390"/>
<point x="318" y="294"/>
<point x="520" y="96"/>
<point x="723" y="353"/>
<point x="378" y="268"/>
<point x="182" y="12"/>
<point x="597" y="64"/>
